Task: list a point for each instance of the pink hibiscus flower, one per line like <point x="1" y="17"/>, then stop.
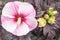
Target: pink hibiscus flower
<point x="18" y="18"/>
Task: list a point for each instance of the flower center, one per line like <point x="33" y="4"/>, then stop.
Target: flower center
<point x="19" y="20"/>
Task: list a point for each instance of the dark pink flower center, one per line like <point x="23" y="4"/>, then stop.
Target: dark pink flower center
<point x="20" y="18"/>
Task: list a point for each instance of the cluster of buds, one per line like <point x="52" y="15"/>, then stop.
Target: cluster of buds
<point x="48" y="17"/>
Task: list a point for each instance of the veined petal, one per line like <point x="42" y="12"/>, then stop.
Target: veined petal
<point x="31" y="22"/>
<point x="8" y="24"/>
<point x="9" y="10"/>
<point x="27" y="9"/>
<point x="17" y="3"/>
<point x="21" y="30"/>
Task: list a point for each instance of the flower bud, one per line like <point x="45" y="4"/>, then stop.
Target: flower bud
<point x="51" y="8"/>
<point x="55" y="12"/>
<point x="51" y="12"/>
<point x="42" y="22"/>
<point x="46" y="16"/>
<point x="51" y="20"/>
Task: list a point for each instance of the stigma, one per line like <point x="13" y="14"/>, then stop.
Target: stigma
<point x="19" y="20"/>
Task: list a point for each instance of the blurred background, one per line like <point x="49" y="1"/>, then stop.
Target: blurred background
<point x="39" y="5"/>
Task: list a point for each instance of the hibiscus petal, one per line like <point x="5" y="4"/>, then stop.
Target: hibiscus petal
<point x="17" y="3"/>
<point x="8" y="24"/>
<point x="27" y="9"/>
<point x="9" y="10"/>
<point x="21" y="29"/>
<point x="31" y="22"/>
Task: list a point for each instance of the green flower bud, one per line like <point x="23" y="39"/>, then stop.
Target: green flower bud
<point x="51" y="12"/>
<point x="51" y="20"/>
